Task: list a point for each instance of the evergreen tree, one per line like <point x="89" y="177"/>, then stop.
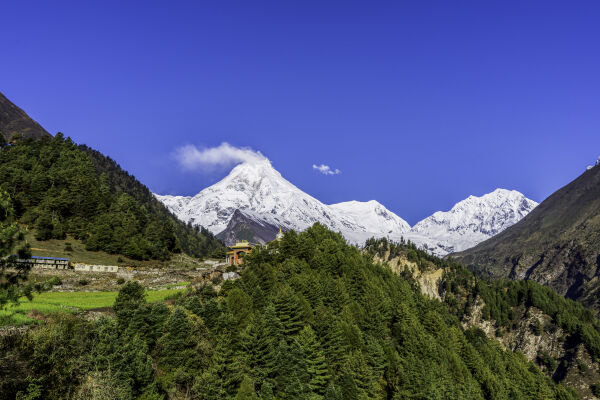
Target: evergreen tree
<point x="176" y="339"/>
<point x="261" y="344"/>
<point x="314" y="360"/>
<point x="130" y="298"/>
<point x="208" y="385"/>
<point x="43" y="227"/>
<point x="13" y="277"/>
<point x="291" y="375"/>
<point x="289" y="311"/>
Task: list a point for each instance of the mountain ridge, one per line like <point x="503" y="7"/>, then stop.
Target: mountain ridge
<point x="256" y="188"/>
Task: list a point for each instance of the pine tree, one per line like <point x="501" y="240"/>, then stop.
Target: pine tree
<point x="13" y="278"/>
<point x="134" y="363"/>
<point x="333" y="392"/>
<point x="261" y="344"/>
<point x="362" y="375"/>
<point x="130" y="298"/>
<point x="314" y="360"/>
<point x="348" y="388"/>
<point x="289" y="311"/>
<point x="230" y="361"/>
<point x="177" y="333"/>
<point x="291" y="373"/>
<point x="240" y="305"/>
<point x="43" y="227"/>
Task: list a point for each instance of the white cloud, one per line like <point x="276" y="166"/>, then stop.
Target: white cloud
<point x="223" y="155"/>
<point x="326" y="169"/>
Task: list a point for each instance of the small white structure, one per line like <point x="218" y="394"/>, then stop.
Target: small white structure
<point x="95" y="268"/>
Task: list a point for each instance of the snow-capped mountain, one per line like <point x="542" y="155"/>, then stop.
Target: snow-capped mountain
<point x="471" y="221"/>
<point x="373" y="216"/>
<point x="262" y="194"/>
<point x="258" y="190"/>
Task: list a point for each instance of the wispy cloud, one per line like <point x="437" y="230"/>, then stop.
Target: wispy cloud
<point x="223" y="155"/>
<point x="326" y="169"/>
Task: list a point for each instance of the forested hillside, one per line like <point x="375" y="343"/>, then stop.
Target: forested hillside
<point x="310" y="318"/>
<point x="560" y="335"/>
<point x="59" y="189"/>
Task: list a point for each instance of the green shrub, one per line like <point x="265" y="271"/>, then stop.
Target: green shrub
<point x="54" y="281"/>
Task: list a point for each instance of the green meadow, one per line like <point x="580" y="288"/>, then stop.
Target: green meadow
<point x="69" y="302"/>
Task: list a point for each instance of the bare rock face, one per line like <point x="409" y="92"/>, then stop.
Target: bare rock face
<point x="14" y="121"/>
<point x="243" y="226"/>
<point x="428" y="280"/>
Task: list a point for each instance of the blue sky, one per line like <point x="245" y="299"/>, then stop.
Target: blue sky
<point x="418" y="104"/>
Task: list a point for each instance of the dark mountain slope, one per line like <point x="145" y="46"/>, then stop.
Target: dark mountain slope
<point x="14" y="121"/>
<point x="243" y="227"/>
<point x="557" y="244"/>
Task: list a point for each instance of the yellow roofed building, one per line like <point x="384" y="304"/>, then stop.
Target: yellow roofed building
<point x="236" y="255"/>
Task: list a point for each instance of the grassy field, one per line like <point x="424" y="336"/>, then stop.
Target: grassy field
<point x="69" y="302"/>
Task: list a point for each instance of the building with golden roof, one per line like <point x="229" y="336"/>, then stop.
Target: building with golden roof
<point x="236" y="255"/>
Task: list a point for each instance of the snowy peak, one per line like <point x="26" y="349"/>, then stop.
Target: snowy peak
<point x="475" y="219"/>
<point x="253" y="173"/>
<point x="488" y="214"/>
<point x="373" y="216"/>
<point x="257" y="189"/>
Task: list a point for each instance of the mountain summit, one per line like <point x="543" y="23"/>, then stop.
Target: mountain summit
<point x="473" y="220"/>
<point x="263" y="201"/>
<point x="14" y="121"/>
